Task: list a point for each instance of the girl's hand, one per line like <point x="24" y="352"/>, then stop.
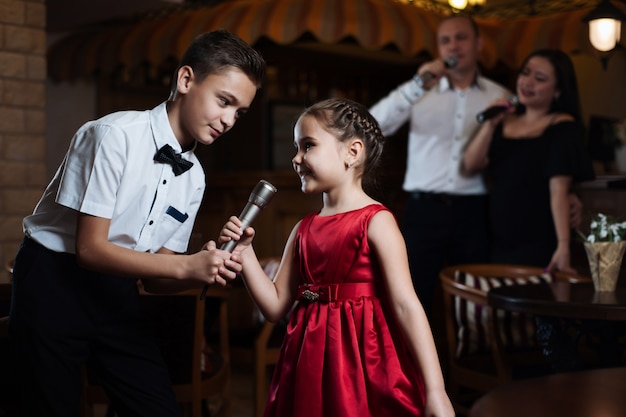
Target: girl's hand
<point x="232" y="231"/>
<point x="438" y="404"/>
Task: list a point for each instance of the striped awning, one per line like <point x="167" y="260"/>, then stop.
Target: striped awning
<point x="373" y="24"/>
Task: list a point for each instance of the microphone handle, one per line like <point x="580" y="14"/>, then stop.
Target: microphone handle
<point x="491" y="112"/>
<point x="427" y="76"/>
<point x="248" y="214"/>
<point x="423" y="78"/>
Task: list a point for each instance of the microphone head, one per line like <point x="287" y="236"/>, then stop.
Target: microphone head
<point x="513" y="101"/>
<point x="262" y="194"/>
<point x="450" y="62"/>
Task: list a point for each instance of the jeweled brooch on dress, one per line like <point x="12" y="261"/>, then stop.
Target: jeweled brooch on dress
<point x="310" y="295"/>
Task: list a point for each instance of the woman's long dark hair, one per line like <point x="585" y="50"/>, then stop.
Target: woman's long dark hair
<point x="567" y="100"/>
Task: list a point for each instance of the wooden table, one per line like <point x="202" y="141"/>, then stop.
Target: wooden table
<point x="565" y="312"/>
<point x="561" y="299"/>
<point x="594" y="393"/>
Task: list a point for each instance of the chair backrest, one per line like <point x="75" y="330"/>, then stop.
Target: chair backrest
<point x="265" y="352"/>
<point x="199" y="368"/>
<point x="474" y="330"/>
<point x="468" y="286"/>
<point x="176" y="322"/>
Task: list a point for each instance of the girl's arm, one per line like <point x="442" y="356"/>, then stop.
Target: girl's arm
<point x="386" y="240"/>
<point x="274" y="298"/>
<point x="560" y="206"/>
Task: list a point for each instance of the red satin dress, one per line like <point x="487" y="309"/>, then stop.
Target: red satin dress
<point x="342" y="354"/>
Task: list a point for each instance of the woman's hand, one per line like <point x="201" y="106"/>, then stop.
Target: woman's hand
<point x="561" y="259"/>
<point x="501" y="102"/>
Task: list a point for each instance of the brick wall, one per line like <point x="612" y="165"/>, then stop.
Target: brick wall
<point x="22" y="117"/>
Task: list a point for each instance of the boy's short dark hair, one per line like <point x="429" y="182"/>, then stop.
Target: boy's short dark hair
<point x="213" y="52"/>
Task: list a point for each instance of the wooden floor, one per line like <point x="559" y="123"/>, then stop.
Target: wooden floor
<point x="242" y="393"/>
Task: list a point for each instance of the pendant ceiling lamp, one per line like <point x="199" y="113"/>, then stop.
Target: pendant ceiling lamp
<point x="605" y="26"/>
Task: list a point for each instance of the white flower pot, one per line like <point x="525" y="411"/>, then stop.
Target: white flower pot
<point x="605" y="261"/>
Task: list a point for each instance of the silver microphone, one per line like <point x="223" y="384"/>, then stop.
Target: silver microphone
<point x="427" y="76"/>
<point x="260" y="196"/>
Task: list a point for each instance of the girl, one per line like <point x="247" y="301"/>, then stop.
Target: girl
<point x="358" y="342"/>
<point x="532" y="156"/>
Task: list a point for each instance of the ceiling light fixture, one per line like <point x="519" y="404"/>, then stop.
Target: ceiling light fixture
<point x="458" y="4"/>
<point x="462" y="4"/>
<point x="605" y="22"/>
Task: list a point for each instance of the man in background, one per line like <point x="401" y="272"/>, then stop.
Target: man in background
<point x="445" y="220"/>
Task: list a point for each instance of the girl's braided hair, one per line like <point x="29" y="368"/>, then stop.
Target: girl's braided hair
<point x="347" y="119"/>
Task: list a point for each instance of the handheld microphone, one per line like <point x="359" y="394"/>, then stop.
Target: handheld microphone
<point x="260" y="196"/>
<point x="493" y="111"/>
<point x="427" y="76"/>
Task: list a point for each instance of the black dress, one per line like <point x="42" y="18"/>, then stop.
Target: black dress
<point x="519" y="173"/>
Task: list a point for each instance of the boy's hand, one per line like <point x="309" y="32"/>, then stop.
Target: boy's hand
<point x="215" y="266"/>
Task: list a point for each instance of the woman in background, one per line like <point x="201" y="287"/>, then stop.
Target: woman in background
<point x="532" y="154"/>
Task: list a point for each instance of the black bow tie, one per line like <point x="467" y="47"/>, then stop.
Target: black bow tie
<point x="167" y="155"/>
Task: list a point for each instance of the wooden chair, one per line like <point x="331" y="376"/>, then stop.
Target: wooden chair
<point x="488" y="348"/>
<point x="192" y="384"/>
<point x="266" y="345"/>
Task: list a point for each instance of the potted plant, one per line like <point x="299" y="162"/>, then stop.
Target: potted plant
<point x="605" y="246"/>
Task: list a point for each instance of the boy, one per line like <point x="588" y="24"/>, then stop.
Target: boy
<point x="120" y="207"/>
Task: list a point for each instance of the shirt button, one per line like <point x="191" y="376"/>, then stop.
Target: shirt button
<point x="151" y="222"/>
<point x="164" y="181"/>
